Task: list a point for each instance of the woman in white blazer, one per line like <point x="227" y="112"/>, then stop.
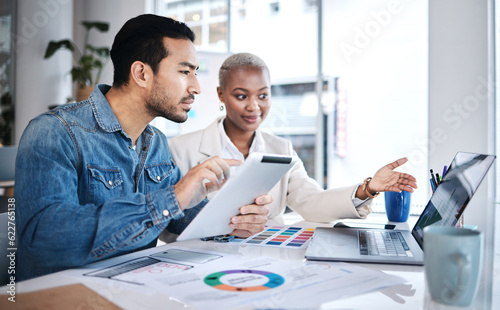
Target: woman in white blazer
<point x="245" y="90"/>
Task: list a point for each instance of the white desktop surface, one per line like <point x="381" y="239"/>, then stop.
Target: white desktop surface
<point x="6" y="183"/>
<point x="410" y="295"/>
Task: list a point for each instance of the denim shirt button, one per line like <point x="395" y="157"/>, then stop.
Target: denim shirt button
<point x="110" y="183"/>
<point x="158" y="177"/>
<point x="165" y="213"/>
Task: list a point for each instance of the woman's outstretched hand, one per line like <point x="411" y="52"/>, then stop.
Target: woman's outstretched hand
<point x="388" y="180"/>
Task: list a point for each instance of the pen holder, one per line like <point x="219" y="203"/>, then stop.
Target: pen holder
<point x="460" y="222"/>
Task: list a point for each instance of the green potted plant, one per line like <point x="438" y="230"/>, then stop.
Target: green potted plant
<point x="88" y="63"/>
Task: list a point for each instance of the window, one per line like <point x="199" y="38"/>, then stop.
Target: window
<point x="6" y="72"/>
<point x="274" y="8"/>
<point x="379" y="49"/>
<point x="497" y="107"/>
<point x="207" y="19"/>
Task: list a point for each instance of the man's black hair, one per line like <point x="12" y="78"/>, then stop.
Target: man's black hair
<point x="141" y="39"/>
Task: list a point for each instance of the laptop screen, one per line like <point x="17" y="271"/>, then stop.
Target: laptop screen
<point x="450" y="198"/>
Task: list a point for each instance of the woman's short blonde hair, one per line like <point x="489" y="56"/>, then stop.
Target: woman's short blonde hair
<point x="237" y="61"/>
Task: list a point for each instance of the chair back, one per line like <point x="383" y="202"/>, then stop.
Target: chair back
<point x="7" y="162"/>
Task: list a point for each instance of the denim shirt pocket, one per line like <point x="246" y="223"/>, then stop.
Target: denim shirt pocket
<point x="157" y="176"/>
<point x="104" y="183"/>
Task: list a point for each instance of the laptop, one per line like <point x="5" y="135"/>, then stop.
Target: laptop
<point x="446" y="205"/>
<point x="7" y="162"/>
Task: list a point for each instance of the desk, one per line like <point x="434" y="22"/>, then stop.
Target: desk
<point x="410" y="295"/>
<point x="7" y="183"/>
<point x="7" y="188"/>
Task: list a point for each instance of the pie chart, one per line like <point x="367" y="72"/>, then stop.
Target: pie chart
<point x="244" y="280"/>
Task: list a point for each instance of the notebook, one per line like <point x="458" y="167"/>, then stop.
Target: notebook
<point x="446" y="205"/>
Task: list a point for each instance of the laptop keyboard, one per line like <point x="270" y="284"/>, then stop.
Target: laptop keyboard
<point x="383" y="243"/>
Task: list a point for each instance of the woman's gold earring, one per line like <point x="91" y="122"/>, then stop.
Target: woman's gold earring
<point x="221" y="107"/>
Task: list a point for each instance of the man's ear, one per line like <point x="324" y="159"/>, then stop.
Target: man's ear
<point x="140" y="73"/>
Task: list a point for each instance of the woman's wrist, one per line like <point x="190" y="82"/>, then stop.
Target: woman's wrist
<point x="360" y="193"/>
<point x="364" y="191"/>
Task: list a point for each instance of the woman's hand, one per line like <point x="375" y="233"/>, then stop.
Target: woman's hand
<point x="388" y="180"/>
<point x="252" y="218"/>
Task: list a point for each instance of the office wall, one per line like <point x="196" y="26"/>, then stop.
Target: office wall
<point x="460" y="100"/>
<point x="115" y="12"/>
<point x="461" y="105"/>
<point x="39" y="82"/>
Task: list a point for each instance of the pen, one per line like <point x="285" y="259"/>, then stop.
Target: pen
<point x="445" y="168"/>
<point x="434" y="178"/>
<point x="433" y="187"/>
<point x="438" y="179"/>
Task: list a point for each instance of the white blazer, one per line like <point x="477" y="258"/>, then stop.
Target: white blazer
<point x="296" y="189"/>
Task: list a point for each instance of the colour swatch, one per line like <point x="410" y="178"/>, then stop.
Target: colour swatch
<point x="280" y="236"/>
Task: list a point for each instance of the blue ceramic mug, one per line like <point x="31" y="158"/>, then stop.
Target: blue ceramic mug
<point x="397" y="206"/>
<point x="452" y="260"/>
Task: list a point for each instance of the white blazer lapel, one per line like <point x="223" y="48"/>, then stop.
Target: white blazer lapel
<point x="210" y="142"/>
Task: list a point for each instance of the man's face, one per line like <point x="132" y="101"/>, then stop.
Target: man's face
<point x="174" y="86"/>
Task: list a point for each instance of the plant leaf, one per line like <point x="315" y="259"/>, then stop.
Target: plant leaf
<point x="97" y="64"/>
<point x="87" y="61"/>
<point x="100" y="51"/>
<point x="56" y="45"/>
<point x="80" y="75"/>
<point x="100" y="26"/>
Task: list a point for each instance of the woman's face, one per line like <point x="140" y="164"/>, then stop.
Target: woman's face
<point x="247" y="97"/>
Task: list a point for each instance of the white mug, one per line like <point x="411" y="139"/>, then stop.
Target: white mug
<point x="453" y="261"/>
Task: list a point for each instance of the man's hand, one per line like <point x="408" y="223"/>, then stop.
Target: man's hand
<point x="203" y="179"/>
<point x="252" y="218"/>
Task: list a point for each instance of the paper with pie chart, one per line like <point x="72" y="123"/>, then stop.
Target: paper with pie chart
<point x="212" y="280"/>
<point x="244" y="280"/>
<point x="234" y="281"/>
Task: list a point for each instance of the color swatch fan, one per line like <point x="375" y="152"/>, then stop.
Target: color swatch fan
<point x="280" y="236"/>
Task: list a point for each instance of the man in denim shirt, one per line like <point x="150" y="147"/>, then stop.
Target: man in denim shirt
<point x="94" y="180"/>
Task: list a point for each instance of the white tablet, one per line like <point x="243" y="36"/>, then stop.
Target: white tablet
<point x="258" y="174"/>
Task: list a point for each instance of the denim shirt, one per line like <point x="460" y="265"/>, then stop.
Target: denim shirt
<point x="83" y="193"/>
